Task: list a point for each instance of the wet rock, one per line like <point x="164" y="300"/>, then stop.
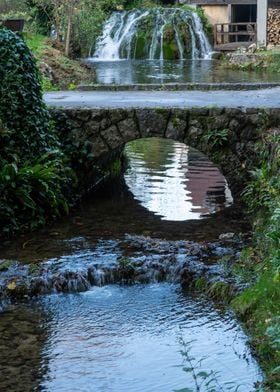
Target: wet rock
<point x="187" y="277"/>
<point x="226" y="236"/>
<point x="149" y="260"/>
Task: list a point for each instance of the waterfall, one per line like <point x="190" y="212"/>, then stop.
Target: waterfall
<point x="157" y="33"/>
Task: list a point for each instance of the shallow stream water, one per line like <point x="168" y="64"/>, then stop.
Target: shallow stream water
<point x="144" y="336"/>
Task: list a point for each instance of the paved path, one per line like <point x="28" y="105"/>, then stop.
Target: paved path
<point x="184" y="99"/>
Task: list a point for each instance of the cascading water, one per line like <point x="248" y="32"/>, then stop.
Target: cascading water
<point x="165" y="33"/>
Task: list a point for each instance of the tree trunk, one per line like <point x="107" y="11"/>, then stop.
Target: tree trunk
<point x="69" y="29"/>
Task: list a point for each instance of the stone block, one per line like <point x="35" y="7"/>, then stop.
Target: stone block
<point x="99" y="147"/>
<point x="152" y="122"/>
<point x="112" y="137"/>
<point x="117" y="115"/>
<point x="98" y="114"/>
<point x="105" y="123"/>
<point x="234" y="125"/>
<point x="92" y="127"/>
<point x="128" y="129"/>
<point x="176" y="128"/>
<point x="81" y="115"/>
<point x="218" y="122"/>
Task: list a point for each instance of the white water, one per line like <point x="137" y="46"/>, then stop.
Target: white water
<point x="119" y="37"/>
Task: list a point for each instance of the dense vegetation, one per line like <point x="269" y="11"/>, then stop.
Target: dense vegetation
<point x="34" y="173"/>
<point x="259" y="306"/>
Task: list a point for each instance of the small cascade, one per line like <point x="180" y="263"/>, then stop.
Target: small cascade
<point x="154" y="34"/>
<point x="150" y="260"/>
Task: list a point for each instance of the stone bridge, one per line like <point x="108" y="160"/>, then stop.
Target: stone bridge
<point x="227" y="136"/>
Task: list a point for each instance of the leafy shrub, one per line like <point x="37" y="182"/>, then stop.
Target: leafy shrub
<point x="32" y="195"/>
<point x="259" y="304"/>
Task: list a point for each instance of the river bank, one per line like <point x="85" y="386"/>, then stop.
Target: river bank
<point x="58" y="71"/>
<point x="259" y="60"/>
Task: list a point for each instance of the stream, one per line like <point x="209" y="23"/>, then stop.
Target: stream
<point x="113" y="309"/>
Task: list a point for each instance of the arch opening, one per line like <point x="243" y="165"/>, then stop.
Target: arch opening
<point x="174" y="181"/>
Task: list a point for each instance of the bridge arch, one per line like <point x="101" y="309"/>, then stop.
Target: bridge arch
<point x="226" y="136"/>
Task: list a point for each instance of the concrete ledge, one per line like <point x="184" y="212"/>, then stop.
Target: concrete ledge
<point x="177" y="87"/>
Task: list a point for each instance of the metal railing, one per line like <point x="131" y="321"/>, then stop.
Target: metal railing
<point x="234" y="33"/>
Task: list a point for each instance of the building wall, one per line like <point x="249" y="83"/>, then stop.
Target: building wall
<point x="217" y="13"/>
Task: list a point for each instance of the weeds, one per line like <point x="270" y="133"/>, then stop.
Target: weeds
<point x="207" y="381"/>
<point x="217" y="137"/>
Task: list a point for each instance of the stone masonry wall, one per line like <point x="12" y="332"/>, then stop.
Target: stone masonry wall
<point x="226" y="136"/>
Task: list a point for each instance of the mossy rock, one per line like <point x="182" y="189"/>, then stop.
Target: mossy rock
<point x="171" y="51"/>
<point x="140" y="48"/>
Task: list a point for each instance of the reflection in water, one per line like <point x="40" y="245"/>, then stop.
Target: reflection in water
<point x="118" y="339"/>
<point x="175" y="181"/>
<point x="180" y="71"/>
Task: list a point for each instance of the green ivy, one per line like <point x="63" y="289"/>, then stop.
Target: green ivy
<point x="22" y="111"/>
<point x="36" y="179"/>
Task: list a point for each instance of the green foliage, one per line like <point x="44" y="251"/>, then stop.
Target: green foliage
<point x="47" y="85"/>
<point x="273" y="332"/>
<point x="22" y="110"/>
<point x="204" y="380"/>
<point x="33" y="268"/>
<point x="217" y="137"/>
<point x="31" y="195"/>
<point x="42" y="14"/>
<point x="259" y="305"/>
<point x="87" y="27"/>
<point x="263" y="188"/>
<point x="221" y="291"/>
<point x="4" y="266"/>
<point x="201" y="284"/>
<point x="125" y="262"/>
<point x="128" y="4"/>
<point x="12" y="6"/>
<point x="35" y="177"/>
<point x="36" y="43"/>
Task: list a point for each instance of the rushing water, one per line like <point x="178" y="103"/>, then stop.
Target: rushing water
<point x="135" y="337"/>
<point x="120" y="39"/>
<point x="185" y="71"/>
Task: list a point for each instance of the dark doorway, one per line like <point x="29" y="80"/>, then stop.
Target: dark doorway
<point x="244" y="13"/>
